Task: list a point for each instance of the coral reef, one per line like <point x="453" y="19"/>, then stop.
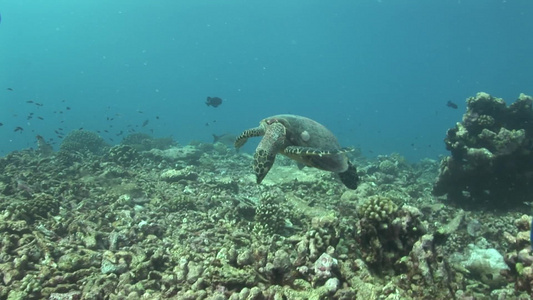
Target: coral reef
<point x="122" y="155"/>
<point x="491" y="154"/>
<point x="190" y="222"/>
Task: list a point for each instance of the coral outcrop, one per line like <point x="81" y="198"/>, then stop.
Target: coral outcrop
<point x="83" y="141"/>
<point x="491" y="160"/>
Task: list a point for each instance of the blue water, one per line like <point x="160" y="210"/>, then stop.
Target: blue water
<point x="377" y="73"/>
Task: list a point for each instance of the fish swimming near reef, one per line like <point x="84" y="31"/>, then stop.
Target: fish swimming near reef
<point x="226" y="139"/>
<point x="213" y="101"/>
<point x="452" y="105"/>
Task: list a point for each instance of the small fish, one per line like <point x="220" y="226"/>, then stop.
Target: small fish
<point x="1" y="124"/>
<point x="40" y="118"/>
<point x="213" y="101"/>
<point x="145" y="123"/>
<point x="452" y="105"/>
<point x="29" y="101"/>
<point x="68" y="108"/>
<point x="9" y="89"/>
<point x="38" y="104"/>
<point x="18" y="128"/>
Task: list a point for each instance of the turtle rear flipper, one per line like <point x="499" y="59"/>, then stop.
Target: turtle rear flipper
<point x="350" y="177"/>
<point x="245" y="135"/>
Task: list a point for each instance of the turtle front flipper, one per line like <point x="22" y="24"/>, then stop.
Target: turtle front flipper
<point x="300" y="150"/>
<point x="245" y="135"/>
<point x="266" y="151"/>
<point x="350" y="177"/>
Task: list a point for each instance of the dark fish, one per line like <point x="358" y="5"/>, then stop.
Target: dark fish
<point x="29" y="101"/>
<point x="18" y="128"/>
<point x="40" y="118"/>
<point x="145" y="123"/>
<point x="452" y="105"/>
<point x="39" y="104"/>
<point x="213" y="101"/>
<point x="1" y="124"/>
<point x="68" y="108"/>
<point x="9" y="89"/>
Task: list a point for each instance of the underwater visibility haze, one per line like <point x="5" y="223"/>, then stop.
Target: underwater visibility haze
<point x="362" y="149"/>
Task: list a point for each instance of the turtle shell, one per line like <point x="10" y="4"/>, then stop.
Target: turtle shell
<point x="315" y="145"/>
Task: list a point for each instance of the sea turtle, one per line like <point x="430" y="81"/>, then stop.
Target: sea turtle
<point x="302" y="139"/>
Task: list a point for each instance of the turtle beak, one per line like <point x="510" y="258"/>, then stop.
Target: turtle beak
<point x="262" y="164"/>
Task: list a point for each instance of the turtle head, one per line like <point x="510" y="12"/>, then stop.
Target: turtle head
<point x="266" y="151"/>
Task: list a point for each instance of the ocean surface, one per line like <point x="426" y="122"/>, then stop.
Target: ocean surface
<point x="377" y="73"/>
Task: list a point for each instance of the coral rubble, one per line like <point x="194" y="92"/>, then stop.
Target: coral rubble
<point x="190" y="222"/>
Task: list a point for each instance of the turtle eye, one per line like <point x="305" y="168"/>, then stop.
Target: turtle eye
<point x="271" y="121"/>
